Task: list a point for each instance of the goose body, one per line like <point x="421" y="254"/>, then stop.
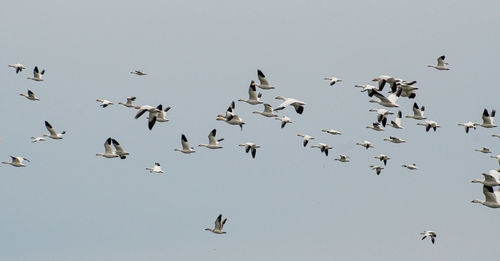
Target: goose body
<point x="140" y="73"/>
<point x="394" y="140"/>
<point x="365" y="144"/>
<point x="381" y="115"/>
<point x="407" y="89"/>
<point x="441" y="65"/>
<point x="418" y="113"/>
<point x="430" y="234"/>
<point x="30" y="96"/>
<point x="119" y="150"/>
<point x="333" y="80"/>
<point x="213" y="143"/>
<point x="155" y="169"/>
<point x="343" y="158"/>
<point x="19" y="67"/>
<point x="383" y="158"/>
<point x="153" y="113"/>
<point x="410" y="166"/>
<point x="263" y="83"/>
<point x="397" y="122"/>
<point x="323" y="148"/>
<point x="331" y="131"/>
<point x="483" y="150"/>
<point x="490" y="179"/>
<point x="377" y="169"/>
<point x="108" y="151"/>
<point x="249" y="146"/>
<point x="375" y="126"/>
<point x="52" y="133"/>
<point x="487" y="119"/>
<point x="230" y="117"/>
<point x="104" y="103"/>
<point x="16" y="161"/>
<point x="37" y="75"/>
<point x="284" y="120"/>
<point x="185" y="146"/>
<point x="268" y="111"/>
<point x="383" y="79"/>
<point x="162" y="115"/>
<point x="219" y="225"/>
<point x="129" y="103"/>
<point x="389" y="101"/>
<point x="253" y="97"/>
<point x="467" y="125"/>
<point x="492" y="197"/>
<point x="366" y="87"/>
<point x="298" y="105"/>
<point x="429" y="125"/>
<point x="37" y="139"/>
<point x="306" y="138"/>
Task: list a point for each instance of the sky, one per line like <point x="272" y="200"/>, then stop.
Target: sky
<point x="290" y="202"/>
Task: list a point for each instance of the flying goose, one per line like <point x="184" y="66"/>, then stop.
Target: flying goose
<point x="185" y="146"/>
<point x="382" y="79"/>
<point x="37" y="139"/>
<point x="138" y="73"/>
<point x="366" y="87"/>
<point x="390" y="101"/>
<point x="441" y="65"/>
<point x="162" y="115"/>
<point x="52" y="133"/>
<point x="492" y="197"/>
<point x="37" y="76"/>
<point x="268" y="111"/>
<point x="19" y="67"/>
<point x="213" y="143"/>
<point x="284" y="120"/>
<point x="418" y="113"/>
<point x="219" y="225"/>
<point x="108" y="151"/>
<point x="298" y="105"/>
<point x="430" y="234"/>
<point x="496" y="157"/>
<point x="129" y="102"/>
<point x="343" y="158"/>
<point x="16" y="161"/>
<point x="331" y="131"/>
<point x="264" y="84"/>
<point x="230" y="117"/>
<point x="407" y="89"/>
<point x="483" y="150"/>
<point x="490" y="179"/>
<point x="104" y="103"/>
<point x="397" y="122"/>
<point x="306" y="138"/>
<point x="394" y="140"/>
<point x="410" y="166"/>
<point x="153" y="113"/>
<point x="381" y="115"/>
<point x="429" y="124"/>
<point x="155" y="169"/>
<point x="383" y="158"/>
<point x="377" y="169"/>
<point x="250" y="146"/>
<point x="254" y="98"/>
<point x="365" y="144"/>
<point x="375" y="126"/>
<point x="119" y="150"/>
<point x="30" y="96"/>
<point x="487" y="119"/>
<point x="333" y="80"/>
<point x="322" y="147"/>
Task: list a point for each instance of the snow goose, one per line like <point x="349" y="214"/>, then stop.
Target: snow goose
<point x="397" y="122"/>
<point x="219" y="225"/>
<point x="487" y="119"/>
<point x="37" y="76"/>
<point x="377" y="169"/>
<point x="155" y="169"/>
<point x="430" y="234"/>
<point x="230" y="117"/>
<point x="496" y="157"/>
<point x="490" y="179"/>
<point x="136" y="72"/>
<point x="483" y="150"/>
<point x="268" y="111"/>
<point x="407" y="89"/>
<point x="162" y="115"/>
<point x="365" y="144"/>
<point x="254" y="98"/>
<point x="331" y="131"/>
<point x="284" y="120"/>
<point x="366" y="87"/>
<point x="16" y="161"/>
<point x="390" y="101"/>
<point x="52" y="133"/>
<point x="306" y="138"/>
<point x="381" y="115"/>
<point x="394" y="140"/>
<point x="343" y="158"/>
<point x="429" y="124"/>
<point x="333" y="80"/>
<point x="129" y="103"/>
<point x="108" y="151"/>
<point x="375" y="126"/>
<point x="250" y="146"/>
<point x="323" y="148"/>
<point x="30" y="96"/>
<point x="383" y="158"/>
<point x="104" y="103"/>
<point x="185" y="146"/>
<point x="492" y="197"/>
<point x="153" y="113"/>
<point x="119" y="150"/>
<point x="37" y="139"/>
<point x="19" y="67"/>
<point x="441" y="65"/>
<point x="298" y="105"/>
<point x="213" y="143"/>
<point x="410" y="166"/>
<point x="382" y="79"/>
<point x="418" y="113"/>
<point x="264" y="84"/>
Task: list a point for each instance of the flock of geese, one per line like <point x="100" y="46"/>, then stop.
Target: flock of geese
<point x="397" y="88"/>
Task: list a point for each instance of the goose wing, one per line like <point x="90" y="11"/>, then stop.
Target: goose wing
<point x="218" y="222"/>
<point x="107" y="146"/>
<point x="184" y="142"/>
<point x="211" y="137"/>
<point x="486" y="117"/>
<point x="440" y="61"/>
<point x="489" y="194"/>
<point x="118" y="147"/>
<point x="31" y="94"/>
<point x="262" y="78"/>
<point x="252" y="92"/>
<point x="50" y="129"/>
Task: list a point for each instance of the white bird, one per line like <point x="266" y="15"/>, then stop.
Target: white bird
<point x="441" y="65"/>
<point x="381" y="115"/>
<point x="407" y="89"/>
<point x="298" y="105"/>
<point x="108" y="151"/>
<point x="390" y="101"/>
<point x="483" y="150"/>
<point x="129" y="102"/>
<point x="284" y="120"/>
<point x="162" y="115"/>
<point x="490" y="179"/>
<point x="185" y="146"/>
<point x="306" y="138"/>
<point x="254" y="98"/>
<point x="268" y="111"/>
<point x="264" y="84"/>
<point x="30" y="96"/>
<point x="430" y="234"/>
<point x="153" y="113"/>
<point x="375" y="126"/>
<point x="343" y="158"/>
<point x="365" y="144"/>
<point x="213" y="143"/>
<point x="383" y="158"/>
<point x="250" y="146"/>
<point x="155" y="169"/>
<point x="394" y="140"/>
<point x="119" y="150"/>
<point x="331" y="131"/>
<point x="495" y="135"/>
<point x="467" y="125"/>
<point x="138" y="73"/>
<point x="219" y="225"/>
<point x="230" y="117"/>
<point x="37" y="76"/>
<point x="333" y="80"/>
<point x="366" y="87"/>
<point x="52" y="133"/>
<point x="323" y="148"/>
<point x="377" y="169"/>
<point x="104" y="103"/>
<point x="429" y="124"/>
<point x="16" y="161"/>
<point x="382" y="79"/>
<point x="496" y="157"/>
<point x="418" y="113"/>
<point x="37" y="139"/>
<point x="19" y="67"/>
<point x="487" y="119"/>
<point x="492" y="197"/>
<point x="410" y="166"/>
<point x="397" y="122"/>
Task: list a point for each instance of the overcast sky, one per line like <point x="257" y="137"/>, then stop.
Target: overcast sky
<point x="290" y="202"/>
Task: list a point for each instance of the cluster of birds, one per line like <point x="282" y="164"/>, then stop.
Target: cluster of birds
<point x="398" y="88"/>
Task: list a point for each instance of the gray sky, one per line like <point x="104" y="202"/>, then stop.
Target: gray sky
<point x="290" y="202"/>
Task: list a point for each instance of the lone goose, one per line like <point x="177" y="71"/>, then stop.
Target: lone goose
<point x="254" y="98"/>
<point x="129" y="102"/>
<point x="108" y="151"/>
<point x="19" y="67"/>
<point x="441" y="65"/>
<point x="37" y="139"/>
<point x="376" y="127"/>
<point x="467" y="125"/>
<point x="185" y="146"/>
<point x="365" y="144"/>
<point x="366" y="87"/>
<point x="306" y="138"/>
<point x="382" y="79"/>
<point x="343" y="158"/>
<point x="333" y="80"/>
<point x="487" y="119"/>
<point x="138" y="73"/>
<point x="483" y="150"/>
<point x="410" y="166"/>
<point x="397" y="122"/>
<point x="390" y="101"/>
<point x="268" y="111"/>
<point x="492" y="197"/>
<point x="430" y="234"/>
<point x="331" y="131"/>
<point x="119" y="150"/>
<point x="52" y="133"/>
<point x="30" y="96"/>
<point x="213" y="143"/>
<point x="394" y="140"/>
<point x="250" y="146"/>
<point x="155" y="169"/>
<point x="219" y="225"/>
<point x="322" y="147"/>
<point x="104" y="103"/>
<point x="381" y="115"/>
<point x="298" y="105"/>
<point x="383" y="158"/>
<point x="429" y="124"/>
<point x="418" y="113"/>
<point x="16" y="161"/>
<point x="377" y="169"/>
<point x="37" y="76"/>
<point x="264" y="84"/>
<point x="490" y="179"/>
<point x="284" y="120"/>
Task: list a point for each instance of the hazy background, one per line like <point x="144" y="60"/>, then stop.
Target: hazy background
<point x="290" y="203"/>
